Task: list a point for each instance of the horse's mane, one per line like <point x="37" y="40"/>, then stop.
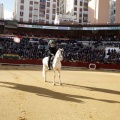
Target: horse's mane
<point x="57" y="53"/>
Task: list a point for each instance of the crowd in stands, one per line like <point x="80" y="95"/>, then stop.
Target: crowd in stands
<point x="74" y="50"/>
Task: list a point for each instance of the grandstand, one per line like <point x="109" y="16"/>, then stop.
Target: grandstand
<point x="83" y="44"/>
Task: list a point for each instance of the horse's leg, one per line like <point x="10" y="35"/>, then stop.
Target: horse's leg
<point x="54" y="77"/>
<point x="59" y="77"/>
<point x="44" y="73"/>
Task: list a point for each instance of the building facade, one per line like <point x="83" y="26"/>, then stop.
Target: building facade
<point x="45" y="10"/>
<point x="78" y="8"/>
<point x="104" y="11"/>
<point x="1" y="11"/>
<point x="98" y="11"/>
<point x="64" y="14"/>
<point x="117" y="17"/>
<point x="40" y="11"/>
<point x="112" y="11"/>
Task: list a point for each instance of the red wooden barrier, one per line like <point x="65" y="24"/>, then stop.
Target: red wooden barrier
<point x="71" y="64"/>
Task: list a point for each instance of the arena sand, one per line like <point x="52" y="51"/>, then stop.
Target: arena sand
<point x="84" y="95"/>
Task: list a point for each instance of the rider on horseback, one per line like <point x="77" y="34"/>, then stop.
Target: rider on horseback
<point x="52" y="51"/>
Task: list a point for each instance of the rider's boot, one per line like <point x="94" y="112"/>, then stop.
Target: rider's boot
<point x="49" y="66"/>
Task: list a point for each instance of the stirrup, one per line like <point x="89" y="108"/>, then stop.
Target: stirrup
<point x="49" y="68"/>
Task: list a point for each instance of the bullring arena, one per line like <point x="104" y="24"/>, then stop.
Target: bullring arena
<point x="84" y="94"/>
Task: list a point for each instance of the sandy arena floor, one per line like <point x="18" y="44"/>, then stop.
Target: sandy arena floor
<point x="84" y="95"/>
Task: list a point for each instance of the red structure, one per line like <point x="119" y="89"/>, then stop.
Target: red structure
<point x="69" y="64"/>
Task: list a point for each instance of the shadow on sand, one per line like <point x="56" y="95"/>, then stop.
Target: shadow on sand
<point x="51" y="94"/>
<point x="92" y="88"/>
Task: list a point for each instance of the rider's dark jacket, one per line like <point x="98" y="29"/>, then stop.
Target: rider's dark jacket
<point x="52" y="50"/>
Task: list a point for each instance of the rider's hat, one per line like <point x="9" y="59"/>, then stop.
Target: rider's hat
<point x="51" y="42"/>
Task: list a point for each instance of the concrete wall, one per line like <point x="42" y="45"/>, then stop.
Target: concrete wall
<point x="103" y="11"/>
<point x="91" y="11"/>
<point x="117" y="19"/>
<point x="98" y="11"/>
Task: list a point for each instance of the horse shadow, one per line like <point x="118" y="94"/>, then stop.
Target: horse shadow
<point x="51" y="94"/>
<point x="91" y="88"/>
<point x="40" y="91"/>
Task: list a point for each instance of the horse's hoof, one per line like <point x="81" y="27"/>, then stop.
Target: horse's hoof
<point x="54" y="84"/>
<point x="60" y="84"/>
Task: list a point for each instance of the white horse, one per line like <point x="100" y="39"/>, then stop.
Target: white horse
<point x="56" y="65"/>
